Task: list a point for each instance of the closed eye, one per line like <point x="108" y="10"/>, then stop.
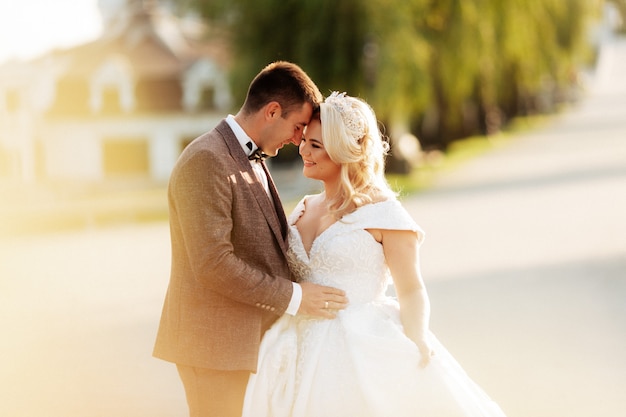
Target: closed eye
<point x="316" y="143"/>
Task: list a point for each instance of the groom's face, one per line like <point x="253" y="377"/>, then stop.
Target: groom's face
<point x="287" y="129"/>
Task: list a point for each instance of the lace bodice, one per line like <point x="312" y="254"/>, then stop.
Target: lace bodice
<point x="346" y="255"/>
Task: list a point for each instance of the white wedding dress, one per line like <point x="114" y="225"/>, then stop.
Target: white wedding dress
<point x="360" y="363"/>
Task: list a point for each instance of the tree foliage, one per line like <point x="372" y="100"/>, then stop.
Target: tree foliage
<point x="445" y="69"/>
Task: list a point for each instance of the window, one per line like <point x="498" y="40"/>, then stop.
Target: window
<point x="72" y="95"/>
<point x="13" y="101"/>
<point x="125" y="157"/>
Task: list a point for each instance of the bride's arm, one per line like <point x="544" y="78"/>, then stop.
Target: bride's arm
<point x="402" y="256"/>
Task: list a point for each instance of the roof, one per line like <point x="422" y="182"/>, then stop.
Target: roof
<point x="154" y="42"/>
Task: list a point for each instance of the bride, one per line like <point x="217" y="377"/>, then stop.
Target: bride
<point x="377" y="356"/>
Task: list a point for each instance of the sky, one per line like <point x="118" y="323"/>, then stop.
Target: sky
<point x="29" y="28"/>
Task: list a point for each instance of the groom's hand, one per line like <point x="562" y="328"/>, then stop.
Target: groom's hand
<point x="321" y="301"/>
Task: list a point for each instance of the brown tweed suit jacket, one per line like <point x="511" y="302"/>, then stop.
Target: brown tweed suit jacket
<point x="229" y="277"/>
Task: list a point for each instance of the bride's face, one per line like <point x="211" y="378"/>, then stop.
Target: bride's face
<point x="317" y="163"/>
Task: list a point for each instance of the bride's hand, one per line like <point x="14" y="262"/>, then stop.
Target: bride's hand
<point x="321" y="301"/>
<point x="426" y="352"/>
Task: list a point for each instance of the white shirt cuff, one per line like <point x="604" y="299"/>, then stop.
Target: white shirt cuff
<point x="296" y="299"/>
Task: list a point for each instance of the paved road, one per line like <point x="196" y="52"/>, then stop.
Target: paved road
<point x="525" y="261"/>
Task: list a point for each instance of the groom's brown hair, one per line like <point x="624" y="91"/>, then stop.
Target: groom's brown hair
<point x="285" y="83"/>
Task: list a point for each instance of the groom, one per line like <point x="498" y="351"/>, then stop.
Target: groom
<point x="229" y="279"/>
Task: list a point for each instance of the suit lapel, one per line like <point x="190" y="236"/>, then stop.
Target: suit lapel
<point x="274" y="213"/>
<point x="270" y="211"/>
<point x="280" y="212"/>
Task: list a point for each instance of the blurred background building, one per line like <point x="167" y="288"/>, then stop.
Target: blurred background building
<point x="119" y="108"/>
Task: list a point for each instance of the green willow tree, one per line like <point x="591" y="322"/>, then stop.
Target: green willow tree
<point x="495" y="60"/>
<point x="397" y="58"/>
<point x="454" y="65"/>
<point x="444" y="69"/>
<point x="325" y="37"/>
<point x="543" y="58"/>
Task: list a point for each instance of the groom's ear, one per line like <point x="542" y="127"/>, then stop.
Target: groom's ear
<point x="272" y="111"/>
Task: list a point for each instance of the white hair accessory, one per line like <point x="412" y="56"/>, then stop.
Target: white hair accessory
<point x="353" y="119"/>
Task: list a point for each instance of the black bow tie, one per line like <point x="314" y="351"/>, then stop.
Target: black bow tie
<point x="257" y="155"/>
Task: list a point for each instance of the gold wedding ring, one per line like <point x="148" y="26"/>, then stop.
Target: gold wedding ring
<point x="326" y="304"/>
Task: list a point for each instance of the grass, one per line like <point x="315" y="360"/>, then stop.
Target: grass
<point x="40" y="211"/>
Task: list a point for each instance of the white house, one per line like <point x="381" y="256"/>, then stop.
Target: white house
<point x="121" y="107"/>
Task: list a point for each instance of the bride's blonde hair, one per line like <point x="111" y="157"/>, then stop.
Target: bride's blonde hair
<point x="352" y="139"/>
